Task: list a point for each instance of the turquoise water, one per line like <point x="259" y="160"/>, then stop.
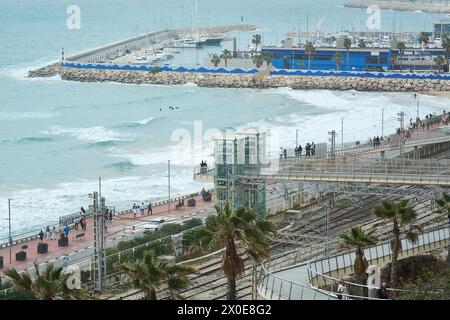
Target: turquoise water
<point x="57" y="137"/>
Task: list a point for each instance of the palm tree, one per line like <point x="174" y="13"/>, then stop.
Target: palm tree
<point x="151" y="274"/>
<point x="310" y="51"/>
<point x="347" y="45"/>
<point x="338" y="59"/>
<point x="215" y="59"/>
<point x="446" y="46"/>
<point x="50" y="284"/>
<point x="402" y="216"/>
<point x="226" y="229"/>
<point x="362" y="43"/>
<point x="440" y="62"/>
<point x="256" y="40"/>
<point x="267" y="58"/>
<point x="401" y="46"/>
<point x="444" y="207"/>
<point x="394" y="60"/>
<point x="258" y="61"/>
<point x="226" y="54"/>
<point x="424" y="38"/>
<point x="359" y="239"/>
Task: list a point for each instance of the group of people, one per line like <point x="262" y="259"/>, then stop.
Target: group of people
<point x="140" y="209"/>
<point x="310" y="150"/>
<point x="376" y="141"/>
<point x="203" y="167"/>
<point x="49" y="233"/>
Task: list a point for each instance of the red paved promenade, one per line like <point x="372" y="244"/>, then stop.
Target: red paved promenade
<point x="121" y="226"/>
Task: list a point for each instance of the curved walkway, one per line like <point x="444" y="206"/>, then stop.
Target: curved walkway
<point x="297" y="279"/>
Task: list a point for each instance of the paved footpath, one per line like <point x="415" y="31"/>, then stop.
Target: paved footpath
<point x="123" y="226"/>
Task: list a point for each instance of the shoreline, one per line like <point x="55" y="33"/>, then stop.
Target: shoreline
<point x="437" y="8"/>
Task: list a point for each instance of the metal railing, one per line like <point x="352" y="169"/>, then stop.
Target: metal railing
<point x="392" y="171"/>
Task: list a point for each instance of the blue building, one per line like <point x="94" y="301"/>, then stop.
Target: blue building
<point x="370" y="59"/>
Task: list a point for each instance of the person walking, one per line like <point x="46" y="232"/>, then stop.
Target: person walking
<point x="66" y="231"/>
<point x="110" y="216"/>
<point x="342" y="290"/>
<point x="285" y="153"/>
<point x="300" y="149"/>
<point x="41" y="236"/>
<point x="142" y="207"/>
<point x="77" y="221"/>
<point x="53" y="233"/>
<point x="134" y="210"/>
<point x="48" y="232"/>
<point x="150" y="210"/>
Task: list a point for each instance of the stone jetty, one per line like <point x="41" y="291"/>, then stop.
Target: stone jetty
<point x="440" y="7"/>
<point x="220" y="80"/>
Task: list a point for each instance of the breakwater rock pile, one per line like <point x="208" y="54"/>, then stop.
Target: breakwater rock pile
<point x="221" y="80"/>
<point x="405" y="5"/>
<point x="45" y="72"/>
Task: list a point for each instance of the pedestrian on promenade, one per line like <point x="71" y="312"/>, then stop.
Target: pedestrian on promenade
<point x="53" y="233"/>
<point x="66" y="258"/>
<point x="41" y="235"/>
<point x="142" y="208"/>
<point x="48" y="232"/>
<point x="110" y="216"/>
<point x="313" y="149"/>
<point x="66" y="231"/>
<point x="150" y="210"/>
<point x="77" y="221"/>
<point x="285" y="153"/>
<point x="134" y="210"/>
<point x="83" y="223"/>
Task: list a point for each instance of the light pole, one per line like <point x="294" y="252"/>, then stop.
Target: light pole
<point x="418" y="108"/>
<point x="342" y="133"/>
<point x="10" y="237"/>
<point x="382" y="122"/>
<point x="296" y="137"/>
<point x="168" y="176"/>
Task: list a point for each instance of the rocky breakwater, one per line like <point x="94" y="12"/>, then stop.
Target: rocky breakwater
<point x="45" y="72"/>
<point x="220" y="80"/>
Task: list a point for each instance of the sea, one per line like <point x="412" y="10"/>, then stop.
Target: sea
<point x="57" y="137"/>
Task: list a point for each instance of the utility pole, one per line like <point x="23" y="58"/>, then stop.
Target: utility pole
<point x="402" y="127"/>
<point x="10" y="237"/>
<point x="168" y="176"/>
<point x="382" y="122"/>
<point x="342" y="134"/>
<point x="296" y="137"/>
<point x="332" y="153"/>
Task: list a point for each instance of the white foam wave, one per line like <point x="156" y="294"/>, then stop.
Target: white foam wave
<point x="93" y="134"/>
<point x="46" y="205"/>
<point x="13" y="115"/>
<point x="144" y="122"/>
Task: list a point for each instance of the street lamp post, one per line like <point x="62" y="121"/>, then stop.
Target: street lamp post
<point x="10" y="237"/>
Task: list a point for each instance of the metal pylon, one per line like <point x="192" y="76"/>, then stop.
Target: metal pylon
<point x="99" y="244"/>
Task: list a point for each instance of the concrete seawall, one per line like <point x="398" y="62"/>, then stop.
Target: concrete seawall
<point x="247" y="80"/>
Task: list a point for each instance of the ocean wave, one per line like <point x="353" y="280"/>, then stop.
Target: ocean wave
<point x="12" y="115"/>
<point x="29" y="140"/>
<point x="138" y="123"/>
<point x="123" y="165"/>
<point x="94" y="134"/>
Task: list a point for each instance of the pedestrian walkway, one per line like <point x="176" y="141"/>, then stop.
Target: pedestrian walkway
<point x="121" y="227"/>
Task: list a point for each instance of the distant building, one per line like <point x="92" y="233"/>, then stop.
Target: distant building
<point x="441" y="29"/>
<point x="367" y="59"/>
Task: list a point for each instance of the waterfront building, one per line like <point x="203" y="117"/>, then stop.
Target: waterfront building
<point x="359" y="59"/>
<point x="441" y="29"/>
